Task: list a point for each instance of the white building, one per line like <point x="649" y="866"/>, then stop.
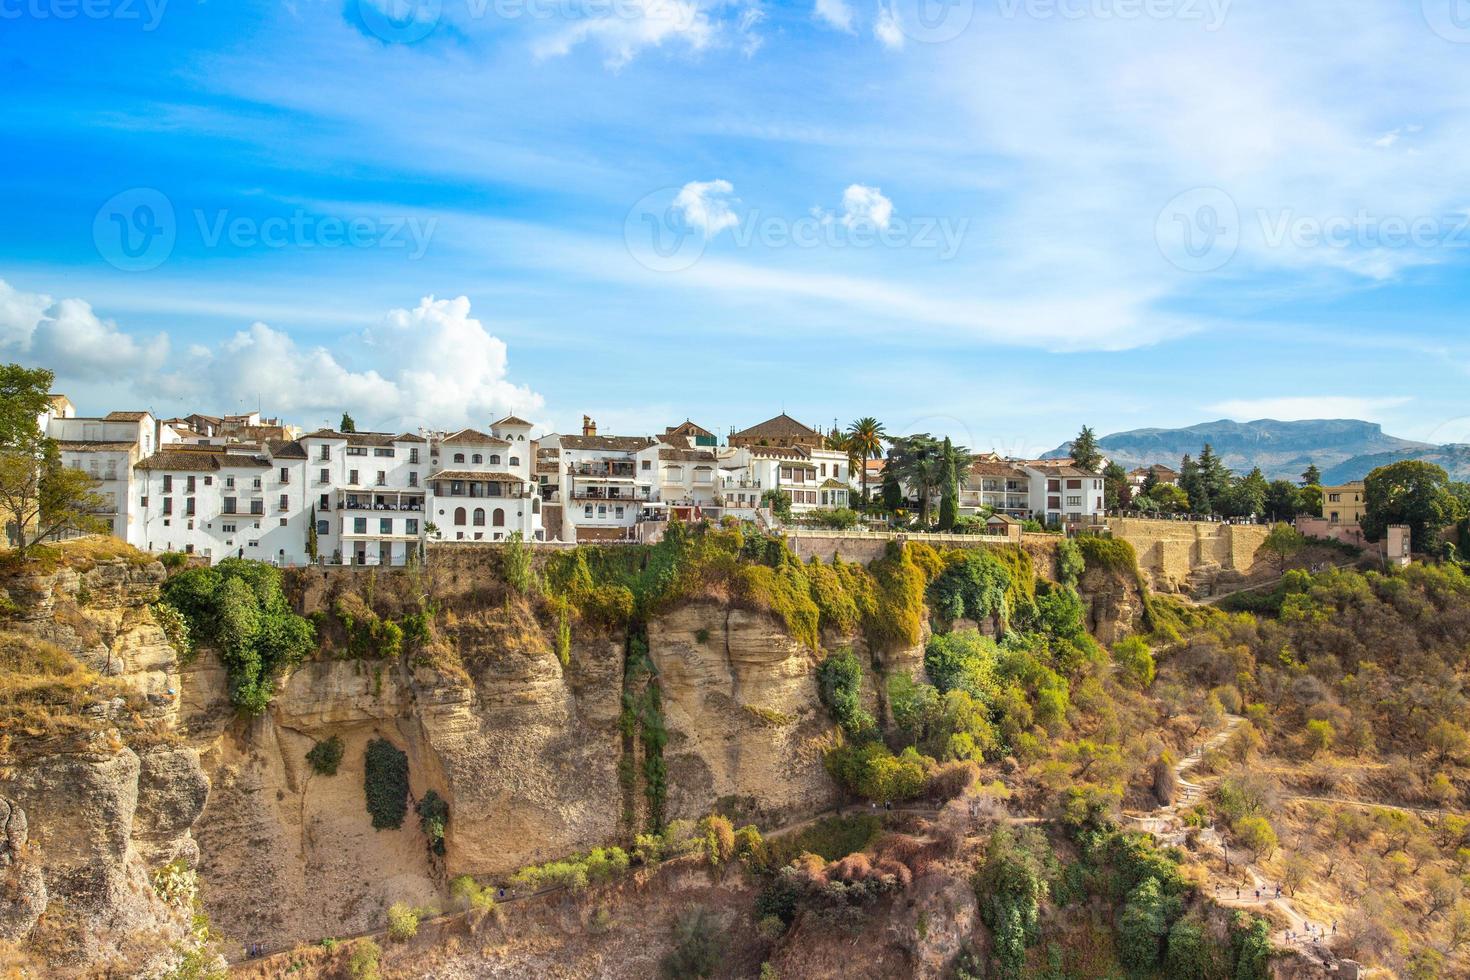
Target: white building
<point x="994" y="483"/>
<point x="106" y="449"/>
<point x="607" y="484"/>
<point x="481" y="488"/>
<point x="1061" y="493"/>
<point x="367" y="495"/>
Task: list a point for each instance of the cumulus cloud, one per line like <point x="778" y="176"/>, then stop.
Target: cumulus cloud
<point x="70" y="339"/>
<point x="837" y="13"/>
<point x="863" y="205"/>
<point x="1293" y="408"/>
<point x="438" y="366"/>
<point x="706" y="205"/>
<point x="886" y="28"/>
<point x="627" y="28"/>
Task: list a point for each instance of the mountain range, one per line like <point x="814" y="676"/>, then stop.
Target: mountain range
<point x="1343" y="449"/>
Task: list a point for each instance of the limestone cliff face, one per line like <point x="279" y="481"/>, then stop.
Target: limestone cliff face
<point x="88" y="816"/>
<point x="1114" y="604"/>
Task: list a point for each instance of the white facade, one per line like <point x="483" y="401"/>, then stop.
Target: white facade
<point x="607" y="485"/>
<point x="367" y="493"/>
<point x="1064" y="495"/>
<point x="106" y="449"/>
<point x="480" y="486"/>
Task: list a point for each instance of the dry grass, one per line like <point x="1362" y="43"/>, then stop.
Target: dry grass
<point x="80" y="554"/>
<point x="44" y="689"/>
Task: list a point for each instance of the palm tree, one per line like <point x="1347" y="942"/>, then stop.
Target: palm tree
<point x="864" y="442"/>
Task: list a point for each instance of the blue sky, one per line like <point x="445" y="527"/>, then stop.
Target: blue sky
<point x="997" y="219"/>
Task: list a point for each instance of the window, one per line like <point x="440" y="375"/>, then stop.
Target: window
<point x="1074" y="484"/>
<point x="383" y="452"/>
<point x="229" y="483"/>
<point x="459" y="516"/>
<point x="617" y="512"/>
<point x="385" y="525"/>
<point x="189" y="506"/>
<point x="459" y="457"/>
<point x="208" y="480"/>
<point x="478" y="458"/>
<point x="497" y="517"/>
<point x="257" y="506"/>
<point x="411" y="526"/>
<point x="324" y="502"/>
<point x="647" y="464"/>
<point x="283" y="522"/>
<point x="515" y="461"/>
<point x="1331" y="497"/>
<point x="413" y="455"/>
<point x="227" y="528"/>
<point x="479" y="517"/>
<point x="168" y="484"/>
<point x="322" y="527"/>
<point x="168" y="505"/>
<point x="602" y="510"/>
<point x="382" y="477"/>
<point x="285" y="475"/>
<point x="1074" y="501"/>
<point x="352" y="478"/>
<point x="587" y="512"/>
<point x="284" y="502"/>
<point x="413" y="479"/>
<point x="231" y="505"/>
<point x="494" y="459"/>
<point x="325" y="454"/>
<point x="359" y="525"/>
<point x="357" y="450"/>
<point x="323" y="475"/>
<point x="255" y="483"/>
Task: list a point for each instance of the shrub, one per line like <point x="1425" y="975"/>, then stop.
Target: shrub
<point x="325" y="756"/>
<point x="176" y="629"/>
<point x="1257" y="834"/>
<point x="362" y="962"/>
<point x="385" y="784"/>
<point x="403" y="922"/>
<point x="718" y="838"/>
<point x="840" y="680"/>
<point x="699" y="945"/>
<point x="964" y="660"/>
<point x="471" y="895"/>
<point x="433" y="811"/>
<point x="873" y="772"/>
<point x="1135" y="662"/>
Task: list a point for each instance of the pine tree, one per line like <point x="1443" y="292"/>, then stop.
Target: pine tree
<point x="1192" y="482"/>
<point x="348" y="425"/>
<point x="311" y="541"/>
<point x="949" y="487"/>
<point x="1215" y="476"/>
<point x="1312" y="476"/>
<point x="1085" y="452"/>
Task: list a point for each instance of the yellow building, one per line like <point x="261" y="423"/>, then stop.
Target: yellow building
<point x="1344" y="504"/>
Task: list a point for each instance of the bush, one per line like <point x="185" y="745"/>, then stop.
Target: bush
<point x="176" y="629"/>
<point x="403" y="922"/>
<point x="325" y="756"/>
<point x="471" y="895"/>
<point x="433" y="811"/>
<point x="362" y="962"/>
<point x="1135" y="662"/>
<point x="385" y="784"/>
<point x="718" y="838"/>
<point x="964" y="660"/>
<point x="699" y="945"/>
<point x="840" y="680"/>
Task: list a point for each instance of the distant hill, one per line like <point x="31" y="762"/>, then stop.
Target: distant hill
<point x="1343" y="449"/>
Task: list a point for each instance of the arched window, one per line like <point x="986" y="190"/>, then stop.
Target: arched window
<point x="479" y="458"/>
<point x="459" y="457"/>
<point x="494" y="459"/>
<point x="535" y="505"/>
<point x="479" y="517"/>
<point x="515" y="461"/>
<point x="459" y="515"/>
<point x="498" y="518"/>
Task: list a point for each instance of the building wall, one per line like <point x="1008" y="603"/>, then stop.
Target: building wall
<point x="1169" y="552"/>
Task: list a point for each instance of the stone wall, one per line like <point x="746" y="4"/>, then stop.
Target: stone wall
<point x="1177" y="555"/>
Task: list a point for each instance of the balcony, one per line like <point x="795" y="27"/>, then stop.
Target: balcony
<point x="612" y="494"/>
<point x="389" y="501"/>
<point x="603" y="471"/>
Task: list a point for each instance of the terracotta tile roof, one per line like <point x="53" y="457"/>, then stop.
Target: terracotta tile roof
<point x="782" y="426"/>
<point x="287" y="449"/>
<point x="168" y="459"/>
<point x="688" y="428"/>
<point x="1066" y="469"/>
<point x="780" y="452"/>
<point x="126" y="416"/>
<point x="832" y="484"/>
<point x="483" y="476"/>
<point x="619" y="444"/>
<point x="511" y="420"/>
<point x="686" y="455"/>
<point x="987" y="468"/>
<point x="365" y="438"/>
<point x="472" y="437"/>
<point x="93" y="446"/>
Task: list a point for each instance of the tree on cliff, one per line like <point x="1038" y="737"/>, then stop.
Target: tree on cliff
<point x="1410" y="492"/>
<point x="39" y="498"/>
<point x="949" y="486"/>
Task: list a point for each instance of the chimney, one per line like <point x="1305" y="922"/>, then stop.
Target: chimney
<point x="589" y="427"/>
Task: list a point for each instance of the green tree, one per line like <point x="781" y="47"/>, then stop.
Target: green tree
<point x="1312" y="476"/>
<point x="1170" y="498"/>
<point x="1085" y="452"/>
<point x="1410" y="492"/>
<point x="1135" y="661"/>
<point x="348" y="425"/>
<point x="1244" y="497"/>
<point x="1282" y="544"/>
<point x="1311" y="500"/>
<point x="865" y="440"/>
<point x="311" y="539"/>
<point x="1115" y="486"/>
<point x="949" y="487"/>
<point x="779" y="503"/>
<point x="1193" y="485"/>
<point x="1143" y="926"/>
<point x="1283" y="500"/>
<point x="1215" y="477"/>
<point x="25" y="393"/>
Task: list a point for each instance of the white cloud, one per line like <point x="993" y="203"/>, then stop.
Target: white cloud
<point x="436" y="366"/>
<point x="863" y="205"/>
<point x="837" y="13"/>
<point x="626" y="28"/>
<point x="886" y="28"/>
<point x="1387" y="139"/>
<point x="70" y="339"/>
<point x="1293" y="408"/>
<point x="706" y="205"/>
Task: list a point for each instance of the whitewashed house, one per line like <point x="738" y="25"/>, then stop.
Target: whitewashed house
<point x="608" y="484"/>
<point x="368" y="493"/>
<point x="480" y="486"/>
<point x="106" y="449"/>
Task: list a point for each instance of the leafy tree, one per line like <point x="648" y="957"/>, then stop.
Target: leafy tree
<point x="839" y="684"/>
<point x="921" y="462"/>
<point x="1283" y="543"/>
<point x="1144" y="925"/>
<point x="515" y="559"/>
<point x="1283" y="500"/>
<point x="1192" y="484"/>
<point x="1011" y="885"/>
<point x="865" y="440"/>
<point x="1410" y="492"/>
<point x="1135" y="661"/>
<point x="1311" y="500"/>
<point x="892" y="490"/>
<point x="1312" y="476"/>
<point x="385" y="784"/>
<point x="1214" y="473"/>
<point x="1318" y="734"/>
<point x="25" y="393"/>
<point x="1115" y="485"/>
<point x="348" y="425"/>
<point x="1256" y="833"/>
<point x="1085" y="452"/>
<point x="1170" y="498"/>
<point x="964" y="660"/>
<point x="779" y="503"/>
<point x="325" y="756"/>
<point x="1245" y="497"/>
